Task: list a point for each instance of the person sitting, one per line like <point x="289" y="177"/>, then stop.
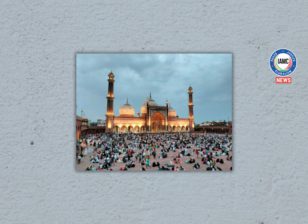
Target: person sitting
<point x="196" y="166"/>
<point x="100" y="166"/>
<point x="93" y="168"/>
<point x="163" y="168"/>
<point x="209" y="168"/>
<point x="88" y="168"/>
<point x="164" y="155"/>
<point x="182" y="152"/>
<point x="191" y="160"/>
<point x="125" y="159"/>
<point x="130" y="164"/>
<point x="169" y="165"/>
<point x="79" y="159"/>
<point x="122" y="168"/>
<point x="94" y="159"/>
<point x="155" y="164"/>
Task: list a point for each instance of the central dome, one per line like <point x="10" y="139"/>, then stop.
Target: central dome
<point x="127" y="110"/>
<point x="148" y="101"/>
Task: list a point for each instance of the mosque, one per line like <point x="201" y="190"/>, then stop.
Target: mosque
<point x="153" y="118"/>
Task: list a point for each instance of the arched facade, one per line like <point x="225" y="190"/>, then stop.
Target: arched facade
<point x="152" y="117"/>
<point x="158" y="122"/>
<point x="155" y="121"/>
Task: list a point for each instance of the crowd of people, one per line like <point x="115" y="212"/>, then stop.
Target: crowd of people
<point x="159" y="151"/>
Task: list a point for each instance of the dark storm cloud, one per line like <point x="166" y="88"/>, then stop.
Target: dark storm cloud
<point x="166" y="76"/>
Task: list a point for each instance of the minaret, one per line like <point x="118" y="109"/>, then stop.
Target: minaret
<point x="110" y="97"/>
<point x="167" y="115"/>
<point x="191" y="109"/>
<point x="148" y="118"/>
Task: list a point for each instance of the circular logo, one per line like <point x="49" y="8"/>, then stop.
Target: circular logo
<point x="283" y="62"/>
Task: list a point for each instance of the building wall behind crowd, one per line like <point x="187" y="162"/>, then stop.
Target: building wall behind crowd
<point x="81" y="125"/>
<point x="39" y="41"/>
<point x="215" y="127"/>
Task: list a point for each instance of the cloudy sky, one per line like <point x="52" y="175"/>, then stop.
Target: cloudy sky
<point x="166" y="76"/>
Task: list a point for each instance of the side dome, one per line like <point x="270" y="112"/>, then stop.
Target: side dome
<point x="127" y="110"/>
<point x="171" y="112"/>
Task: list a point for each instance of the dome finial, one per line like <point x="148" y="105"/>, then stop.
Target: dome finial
<point x="126" y="100"/>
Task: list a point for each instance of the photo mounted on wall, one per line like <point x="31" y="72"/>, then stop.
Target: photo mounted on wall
<point x="154" y="112"/>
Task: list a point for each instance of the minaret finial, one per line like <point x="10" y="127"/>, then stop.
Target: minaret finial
<point x="150" y="95"/>
<point x="111" y="75"/>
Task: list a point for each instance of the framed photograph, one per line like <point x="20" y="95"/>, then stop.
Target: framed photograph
<point x="154" y="112"/>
